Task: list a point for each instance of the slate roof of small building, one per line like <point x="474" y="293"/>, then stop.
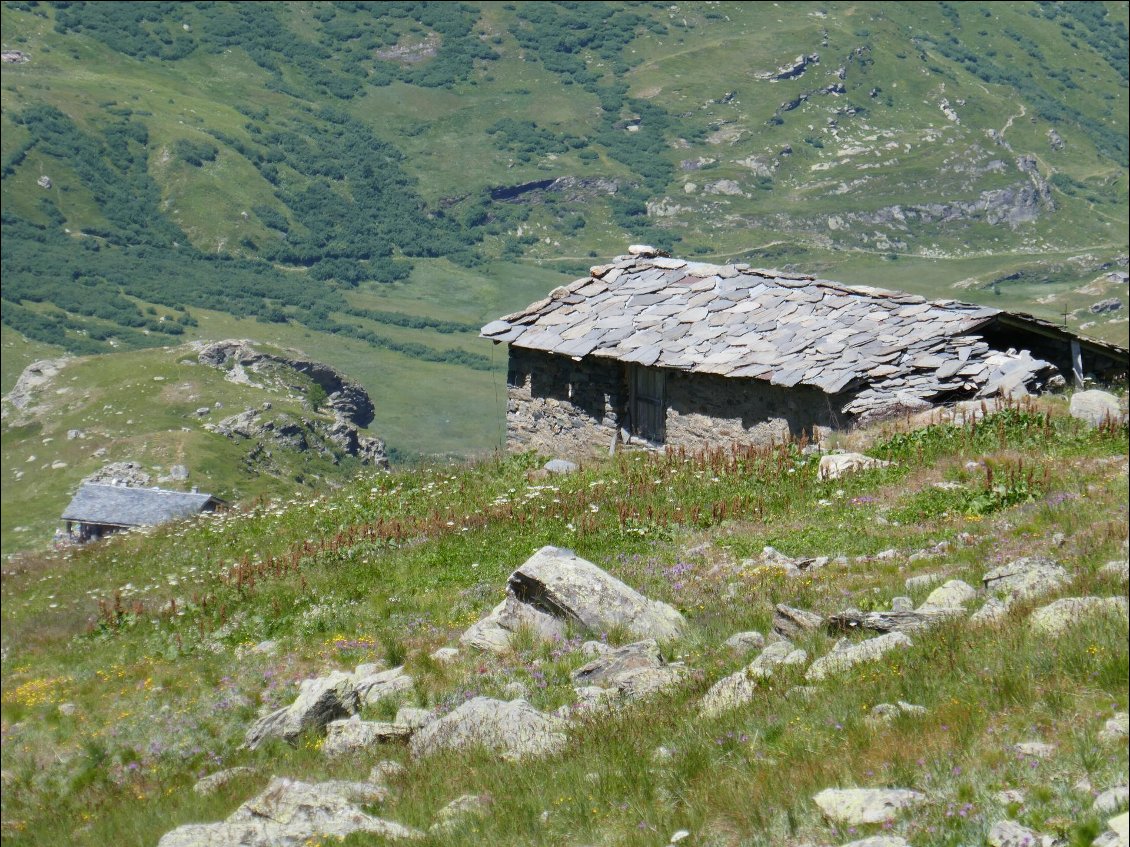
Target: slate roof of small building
<point x="788" y="329"/>
<point x="120" y="505"/>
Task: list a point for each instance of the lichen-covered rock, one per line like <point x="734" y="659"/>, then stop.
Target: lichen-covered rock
<point x="514" y="729"/>
<point x="215" y="781"/>
<point x="745" y="642"/>
<point x="493" y="633"/>
<point x="289" y="813"/>
<point x="954" y="593"/>
<point x="1027" y="577"/>
<point x="1111" y="800"/>
<point x="1005" y="833"/>
<point x="853" y="806"/>
<point x="353" y="735"/>
<point x="374" y="685"/>
<point x="634" y="671"/>
<point x="1056" y="617"/>
<point x="739" y="688"/>
<point x="1095" y="407"/>
<point x="791" y="623"/>
<point x="846" y="655"/>
<point x="836" y="465"/>
<point x="1116" y="728"/>
<point x="455" y="813"/>
<point x="319" y="701"/>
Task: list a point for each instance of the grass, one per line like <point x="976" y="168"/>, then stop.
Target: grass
<point x="394" y="566"/>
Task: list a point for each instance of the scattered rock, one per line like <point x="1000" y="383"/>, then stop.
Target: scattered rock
<point x="493" y="633"/>
<point x="413" y="718"/>
<point x="215" y="781"/>
<point x="846" y="655"/>
<point x="446" y="655"/>
<point x="120" y="473"/>
<point x="452" y="815"/>
<point x="560" y="466"/>
<point x="745" y="642"/>
<point x="319" y="702"/>
<point x="739" y="688"/>
<point x="1117" y="833"/>
<point x="992" y="612"/>
<point x="887" y="712"/>
<point x="1028" y="577"/>
<point x="178" y="473"/>
<point x="353" y="735"/>
<point x="1094" y="407"/>
<point x="634" y="671"/>
<point x="1036" y="749"/>
<point x="555" y="587"/>
<point x="289" y="813"/>
<point x="1010" y="795"/>
<point x="791" y="623"/>
<point x="372" y="685"/>
<point x="853" y="806"/>
<point x="1056" y="617"/>
<point x="384" y="771"/>
<point x="1117" y="728"/>
<point x="67" y="709"/>
<point x="923" y="581"/>
<point x="514" y="729"/>
<point x="953" y="594"/>
<point x="896" y="620"/>
<point x="1005" y="833"/>
<point x="1110" y="304"/>
<point x="880" y="841"/>
<point x="836" y="465"/>
<point x="1111" y="800"/>
<point x="773" y="558"/>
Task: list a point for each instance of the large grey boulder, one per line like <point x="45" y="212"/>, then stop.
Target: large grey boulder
<point x="493" y="633"/>
<point x="555" y="588"/>
<point x="1111" y="800"/>
<point x="319" y="701"/>
<point x="514" y="729"/>
<point x="1117" y="833"/>
<point x="846" y="655"/>
<point x="1027" y="577"/>
<point x="373" y="685"/>
<point x="1006" y="833"/>
<point x="1056" y="617"/>
<point x="853" y="806"/>
<point x="289" y="813"/>
<point x="739" y="688"/>
<point x="634" y="671"/>
<point x="561" y="583"/>
<point x="953" y="594"/>
<point x="1095" y="407"/>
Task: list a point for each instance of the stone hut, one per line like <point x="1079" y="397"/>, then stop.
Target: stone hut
<point x="99" y="509"/>
<point x="655" y="351"/>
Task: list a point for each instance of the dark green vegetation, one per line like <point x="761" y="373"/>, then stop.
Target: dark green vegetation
<point x="380" y="176"/>
<point x="149" y="638"/>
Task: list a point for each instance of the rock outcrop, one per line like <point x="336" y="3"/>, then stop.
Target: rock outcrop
<point x="514" y="729"/>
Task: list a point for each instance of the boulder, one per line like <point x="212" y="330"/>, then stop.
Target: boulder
<point x="560" y="582"/>
<point x="1116" y="728"/>
<point x="493" y="633"/>
<point x="1117" y="833"/>
<point x="853" y="806"/>
<point x="1111" y="800"/>
<point x="446" y="655"/>
<point x="1005" y="833"/>
<point x="289" y="813"/>
<point x="745" y="642"/>
<point x="373" y="685"/>
<point x="791" y="623"/>
<point x="633" y="671"/>
<point x="896" y="620"/>
<point x="954" y="593"/>
<point x="555" y="588"/>
<point x="514" y="729"/>
<point x="1095" y="407"/>
<point x="1119" y="569"/>
<point x="887" y="712"/>
<point x="319" y="702"/>
<point x="993" y="611"/>
<point x="879" y="841"/>
<point x="846" y="655"/>
<point x="353" y="735"/>
<point x="739" y="688"/>
<point x="1056" y="617"/>
<point x="560" y="466"/>
<point x="836" y="465"/>
<point x="1027" y="577"/>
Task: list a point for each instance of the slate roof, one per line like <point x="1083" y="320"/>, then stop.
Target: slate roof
<point x="878" y="346"/>
<point x="119" y="505"/>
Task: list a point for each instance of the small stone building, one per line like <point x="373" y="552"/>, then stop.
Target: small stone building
<point x="656" y="351"/>
<point x="99" y="509"/>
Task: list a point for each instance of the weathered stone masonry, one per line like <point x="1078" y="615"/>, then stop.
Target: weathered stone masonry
<point x="565" y="407"/>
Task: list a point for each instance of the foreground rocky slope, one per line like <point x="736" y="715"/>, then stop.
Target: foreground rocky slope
<point x="721" y="649"/>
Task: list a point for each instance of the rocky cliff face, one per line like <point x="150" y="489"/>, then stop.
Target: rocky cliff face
<point x="348" y="402"/>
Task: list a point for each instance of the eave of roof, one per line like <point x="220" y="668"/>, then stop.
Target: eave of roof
<point x="124" y="506"/>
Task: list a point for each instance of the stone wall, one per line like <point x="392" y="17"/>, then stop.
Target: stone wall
<point x="561" y="407"/>
<point x="704" y="410"/>
<point x="557" y="406"/>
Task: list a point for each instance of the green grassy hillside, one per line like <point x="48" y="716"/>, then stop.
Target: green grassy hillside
<point x="133" y="667"/>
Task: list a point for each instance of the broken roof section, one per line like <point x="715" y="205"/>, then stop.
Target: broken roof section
<point x="875" y="346"/>
<point x="123" y="506"/>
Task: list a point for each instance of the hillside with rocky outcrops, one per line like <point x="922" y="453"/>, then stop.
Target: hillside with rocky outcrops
<point x="234" y="418"/>
<point x="922" y="643"/>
